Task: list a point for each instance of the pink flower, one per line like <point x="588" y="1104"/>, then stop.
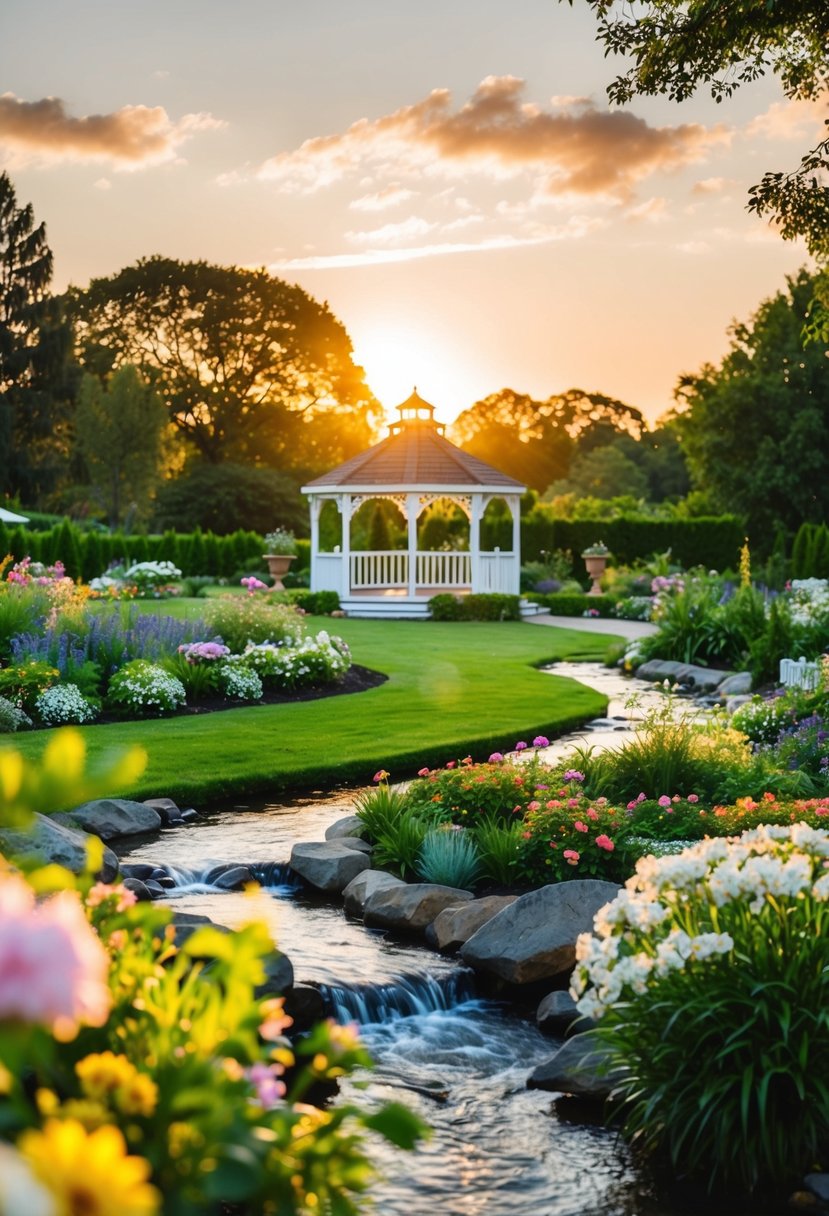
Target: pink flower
<point x="423" y="772"/>
<point x="520" y="747"/>
<point x="572" y="803"/>
<point x="495" y="758"/>
<point x="693" y="797"/>
<point x="641" y="798"/>
<point x="102" y="891"/>
<point x="591" y="814"/>
<point x="604" y="842"/>
<point x="552" y="804"/>
<point x="571" y="857"/>
<point x="676" y="798"/>
<point x="601" y="802"/>
<point x="53" y="968"/>
<point x="451" y="763"/>
<point x="534" y="806"/>
<point x="526" y="835"/>
<point x="380" y="775"/>
<point x="541" y="741"/>
<point x="579" y="826"/>
<point x="263" y="1078"/>
<point x="664" y="800"/>
<point x="633" y="805"/>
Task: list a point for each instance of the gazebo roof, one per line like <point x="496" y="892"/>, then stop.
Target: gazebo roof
<point x="415" y="456"/>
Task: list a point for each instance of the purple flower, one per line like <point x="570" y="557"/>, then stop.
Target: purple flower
<point x="573" y="774"/>
<point x="520" y="747"/>
<point x="541" y="741"/>
<point x="495" y="758"/>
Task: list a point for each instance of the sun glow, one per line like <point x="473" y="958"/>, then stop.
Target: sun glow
<point x="397" y="358"/>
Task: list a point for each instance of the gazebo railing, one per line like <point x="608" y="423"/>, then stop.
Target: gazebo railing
<point x="444" y="569"/>
<point x="371" y="569"/>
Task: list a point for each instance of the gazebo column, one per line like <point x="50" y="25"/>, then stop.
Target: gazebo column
<point x="476" y="511"/>
<point x="345" y="513"/>
<point x="412" y="505"/>
<point x="514" y="503"/>
<point x="315" y="506"/>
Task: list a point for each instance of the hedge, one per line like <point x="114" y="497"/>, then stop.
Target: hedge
<point x="88" y="554"/>
<point x="475" y="607"/>
<point x="566" y="603"/>
<point x="710" y="541"/>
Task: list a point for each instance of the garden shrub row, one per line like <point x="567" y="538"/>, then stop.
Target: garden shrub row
<point x="567" y="603"/>
<point x="475" y="608"/>
<point x="713" y="542"/>
<point x="810" y="552"/>
<point x="87" y="554"/>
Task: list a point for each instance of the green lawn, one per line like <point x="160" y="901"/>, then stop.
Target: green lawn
<point x="453" y="689"/>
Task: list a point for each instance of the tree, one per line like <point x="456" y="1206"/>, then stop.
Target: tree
<point x="118" y="429"/>
<point x="676" y="46"/>
<point x="240" y="358"/>
<point x="755" y="430"/>
<point x="225" y="497"/>
<point x="36" y="382"/>
<point x="534" y="441"/>
<point x="603" y="472"/>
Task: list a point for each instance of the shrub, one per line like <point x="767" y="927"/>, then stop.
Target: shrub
<point x="379" y="808"/>
<point x="64" y="705"/>
<point x="397" y="847"/>
<point x="239" y="683"/>
<point x="710" y="980"/>
<point x="445" y="607"/>
<point x="12" y="718"/>
<point x="22" y="609"/>
<point x="570" y="836"/>
<point x="144" y="690"/>
<point x="476" y="607"/>
<point x="242" y="619"/>
<point x="317" y="603"/>
<point x="449" y="856"/>
<point x="199" y="679"/>
<point x="563" y="603"/>
<point x="467" y="793"/>
<point x="634" y="608"/>
<point x="23" y="682"/>
<point x="763" y="718"/>
<point x="319" y="660"/>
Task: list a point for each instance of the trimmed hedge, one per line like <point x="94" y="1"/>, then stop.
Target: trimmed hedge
<point x="87" y="554"/>
<point x="475" y="607"/>
<point x="710" y="541"/>
<point x="567" y="603"/>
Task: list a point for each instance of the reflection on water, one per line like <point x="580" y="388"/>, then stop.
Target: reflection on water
<point x="461" y="1062"/>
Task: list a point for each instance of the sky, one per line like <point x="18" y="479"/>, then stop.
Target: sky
<point x="447" y="175"/>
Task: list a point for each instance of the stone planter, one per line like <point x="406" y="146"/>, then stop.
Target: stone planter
<point x="596" y="565"/>
<point x="278" y="564"/>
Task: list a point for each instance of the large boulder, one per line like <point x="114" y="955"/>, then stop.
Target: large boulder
<point x="111" y="817"/>
<point x="354" y="842"/>
<point x="701" y="679"/>
<point x="411" y="907"/>
<point x="170" y="812"/>
<point x="327" y="864"/>
<point x="738" y="685"/>
<point x="557" y="1013"/>
<point x="364" y="885"/>
<point x="535" y="937"/>
<point x="454" y="926"/>
<point x="349" y="825"/>
<point x="50" y="841"/>
<point x="581" y="1068"/>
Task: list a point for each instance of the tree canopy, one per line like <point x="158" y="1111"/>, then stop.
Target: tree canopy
<point x="755" y="429"/>
<point x="239" y="357"/>
<point x="675" y="46"/>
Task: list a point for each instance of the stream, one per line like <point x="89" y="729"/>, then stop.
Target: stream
<point x="461" y="1061"/>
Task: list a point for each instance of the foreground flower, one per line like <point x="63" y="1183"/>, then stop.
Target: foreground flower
<point x="53" y="968"/>
<point x="106" y="1076"/>
<point x="89" y="1173"/>
<point x="21" y="1194"/>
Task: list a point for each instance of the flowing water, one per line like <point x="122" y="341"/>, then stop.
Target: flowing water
<point x="461" y="1061"/>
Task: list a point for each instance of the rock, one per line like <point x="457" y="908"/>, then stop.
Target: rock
<point x="139" y="889"/>
<point x="51" y="841"/>
<point x="279" y="975"/>
<point x="535" y="937"/>
<point x="189" y="815"/>
<point x="155" y="888"/>
<point x="186" y="923"/>
<point x="327" y="864"/>
<point x="658" y="670"/>
<point x="411" y="906"/>
<point x="732" y="704"/>
<point x="111" y="817"/>
<point x="305" y="1005"/>
<point x="364" y="885"/>
<point x="818" y="1184"/>
<point x="356" y="843"/>
<point x="580" y="1068"/>
<point x="737" y="685"/>
<point x="556" y="1012"/>
<point x="234" y="878"/>
<point x="138" y="869"/>
<point x="350" y="825"/>
<point x="168" y="810"/>
<point x="454" y="926"/>
<point x="703" y="679"/>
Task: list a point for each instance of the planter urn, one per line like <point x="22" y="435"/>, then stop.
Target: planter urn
<point x="596" y="563"/>
<point x="279" y="564"/>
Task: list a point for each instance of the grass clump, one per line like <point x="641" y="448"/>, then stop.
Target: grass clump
<point x="449" y="856"/>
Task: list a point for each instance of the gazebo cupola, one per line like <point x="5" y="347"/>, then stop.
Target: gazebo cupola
<point x="414" y="467"/>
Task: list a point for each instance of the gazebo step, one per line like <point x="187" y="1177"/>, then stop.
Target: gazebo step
<point x="390" y="607"/>
<point x="528" y="608"/>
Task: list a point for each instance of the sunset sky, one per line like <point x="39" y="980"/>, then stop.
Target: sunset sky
<point x="446" y="174"/>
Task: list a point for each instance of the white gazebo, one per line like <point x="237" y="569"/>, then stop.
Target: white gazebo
<point x="413" y="467"/>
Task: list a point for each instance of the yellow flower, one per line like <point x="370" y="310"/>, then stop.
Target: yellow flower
<point x="107" y="1076"/>
<point x="89" y="1173"/>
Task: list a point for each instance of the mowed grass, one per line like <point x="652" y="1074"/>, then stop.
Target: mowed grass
<point x="453" y="689"/>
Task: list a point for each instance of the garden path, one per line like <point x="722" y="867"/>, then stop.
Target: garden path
<point x="595" y="624"/>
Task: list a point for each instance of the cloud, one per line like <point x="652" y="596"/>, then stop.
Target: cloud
<point x="42" y="132"/>
<point x="712" y="185"/>
<point x="791" y="120"/>
<point x="391" y="196"/>
<point x="393" y="234"/>
<point x="652" y="211"/>
<point x="574" y="147"/>
<point x="576" y="227"/>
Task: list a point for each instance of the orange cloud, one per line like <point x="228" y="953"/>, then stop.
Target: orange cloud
<point x="574" y="147"/>
<point x="792" y="119"/>
<point x="131" y="137"/>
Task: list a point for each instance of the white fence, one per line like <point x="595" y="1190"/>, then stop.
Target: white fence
<point x="381" y="570"/>
<point x="443" y="569"/>
<point x="798" y="673"/>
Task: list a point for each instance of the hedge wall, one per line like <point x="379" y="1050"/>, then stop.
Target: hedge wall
<point x="710" y="541"/>
<point x="88" y="554"/>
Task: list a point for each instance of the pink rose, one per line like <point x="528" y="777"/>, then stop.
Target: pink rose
<point x="604" y="842"/>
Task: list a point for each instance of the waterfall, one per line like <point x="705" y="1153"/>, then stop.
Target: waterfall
<point x="407" y="996"/>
